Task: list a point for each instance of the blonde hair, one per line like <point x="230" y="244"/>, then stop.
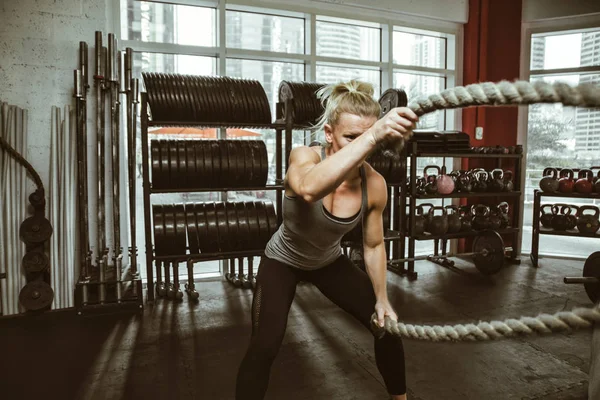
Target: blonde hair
<point x="353" y="97"/>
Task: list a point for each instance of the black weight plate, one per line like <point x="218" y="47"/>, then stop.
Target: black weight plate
<point x="256" y="163"/>
<point x="212" y="244"/>
<point x="35" y="262"/>
<point x="212" y="89"/>
<point x="153" y="101"/>
<point x="180" y="229"/>
<point x="253" y="102"/>
<point x="191" y="103"/>
<point x="192" y="230"/>
<point x="175" y="108"/>
<point x="285" y="93"/>
<point x="165" y="165"/>
<point x="229" y="100"/>
<point x="35" y="229"/>
<point x="222" y="226"/>
<point x="201" y="227"/>
<point x="392" y="98"/>
<point x="225" y="181"/>
<point x="271" y="217"/>
<point x="254" y="240"/>
<point x="36" y="295"/>
<point x="263" y="224"/>
<point x="174" y="182"/>
<point x="264" y="162"/>
<point x="164" y="97"/>
<point x="158" y="219"/>
<point x="191" y="163"/>
<point x="232" y="227"/>
<point x="591" y="268"/>
<point x="216" y="163"/>
<point x="206" y="174"/>
<point x="188" y="108"/>
<point x="182" y="171"/>
<point x="234" y="162"/>
<point x="156" y="172"/>
<point x="244" y="233"/>
<point x="170" y="229"/>
<point x="493" y="261"/>
<point x="244" y="109"/>
<point x="246" y="155"/>
<point x="199" y="106"/>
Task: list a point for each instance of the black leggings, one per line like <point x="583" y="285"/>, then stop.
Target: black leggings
<point x="342" y="283"/>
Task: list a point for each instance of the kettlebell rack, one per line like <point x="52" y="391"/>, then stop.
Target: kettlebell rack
<point x="538" y="229"/>
<point x="403" y="258"/>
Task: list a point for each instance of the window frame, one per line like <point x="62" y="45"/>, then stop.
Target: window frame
<point x="528" y="29"/>
<point x="363" y="16"/>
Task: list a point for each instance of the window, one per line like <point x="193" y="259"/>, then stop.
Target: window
<point x="348" y="41"/>
<point x="271" y="45"/>
<point x="559" y="136"/>
<point x="264" y="32"/>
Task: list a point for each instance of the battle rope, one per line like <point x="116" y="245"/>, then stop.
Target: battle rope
<point x="498" y="94"/>
<point x="578" y="318"/>
<point x="503" y="93"/>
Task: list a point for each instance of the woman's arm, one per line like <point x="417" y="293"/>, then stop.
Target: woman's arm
<point x="313" y="180"/>
<point x="373" y="245"/>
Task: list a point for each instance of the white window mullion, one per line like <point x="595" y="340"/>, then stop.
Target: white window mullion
<point x="387" y="55"/>
<point x="312" y="63"/>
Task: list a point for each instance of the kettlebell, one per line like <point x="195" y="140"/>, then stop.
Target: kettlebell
<point x="425" y="208"/>
<point x="464" y="182"/>
<point x="509" y="186"/>
<point x="549" y="181"/>
<point x="431" y="185"/>
<point x="546" y="217"/>
<point x="438" y="224"/>
<point x="504" y="210"/>
<point x="420" y="221"/>
<point x="454" y="221"/>
<point x="480" y="182"/>
<point x="495" y="180"/>
<point x="494" y="219"/>
<point x="584" y="183"/>
<point x="566" y="183"/>
<point x="559" y="222"/>
<point x="420" y="185"/>
<point x="445" y="183"/>
<point x="465" y="218"/>
<point x="588" y="223"/>
<point x="571" y="216"/>
<point x="481" y="215"/>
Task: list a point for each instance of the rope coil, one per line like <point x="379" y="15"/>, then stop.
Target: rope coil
<point x="500" y="94"/>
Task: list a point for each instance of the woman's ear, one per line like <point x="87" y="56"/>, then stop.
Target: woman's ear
<point x="328" y="133"/>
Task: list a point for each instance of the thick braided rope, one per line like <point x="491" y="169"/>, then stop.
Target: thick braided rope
<point x="578" y="318"/>
<point x="509" y="93"/>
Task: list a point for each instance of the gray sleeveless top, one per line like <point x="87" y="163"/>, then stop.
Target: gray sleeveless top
<point x="309" y="237"/>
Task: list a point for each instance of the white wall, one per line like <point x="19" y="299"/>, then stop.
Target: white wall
<point x="39" y="45"/>
<point x="535" y="10"/>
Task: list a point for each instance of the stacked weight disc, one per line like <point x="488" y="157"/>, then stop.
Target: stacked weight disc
<point x="213" y="227"/>
<point x="178" y="164"/>
<point x="205" y="99"/>
<point x="389" y="167"/>
<point x="306" y="107"/>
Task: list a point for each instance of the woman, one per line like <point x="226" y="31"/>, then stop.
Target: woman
<point x="328" y="191"/>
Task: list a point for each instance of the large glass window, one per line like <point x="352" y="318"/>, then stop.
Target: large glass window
<point x="167" y="23"/>
<point x="270" y="46"/>
<point x="348" y="41"/>
<point x="559" y="136"/>
<point x="264" y="32"/>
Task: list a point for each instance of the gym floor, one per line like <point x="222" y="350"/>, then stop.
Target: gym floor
<point x="185" y="351"/>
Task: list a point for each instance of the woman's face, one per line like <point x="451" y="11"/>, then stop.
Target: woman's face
<point x="348" y="128"/>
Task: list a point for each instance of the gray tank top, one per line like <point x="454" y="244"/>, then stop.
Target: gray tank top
<point x="309" y="237"/>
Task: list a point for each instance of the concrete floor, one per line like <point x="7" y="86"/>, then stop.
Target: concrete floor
<point x="187" y="351"/>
